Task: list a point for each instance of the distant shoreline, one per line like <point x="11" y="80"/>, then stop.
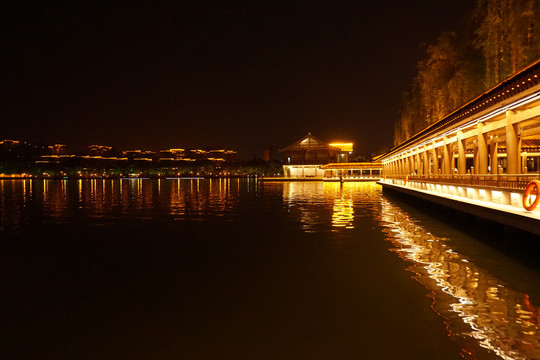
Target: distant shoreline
<point x="150" y="177"/>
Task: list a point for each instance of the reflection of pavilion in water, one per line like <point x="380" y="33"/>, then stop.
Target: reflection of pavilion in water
<point x="343" y="213"/>
<point x="325" y="205"/>
<point x="304" y="200"/>
<point x="476" y="304"/>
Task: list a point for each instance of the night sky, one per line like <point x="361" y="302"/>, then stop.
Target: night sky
<point x="233" y="74"/>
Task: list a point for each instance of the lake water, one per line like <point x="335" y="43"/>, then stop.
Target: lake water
<point x="239" y="269"/>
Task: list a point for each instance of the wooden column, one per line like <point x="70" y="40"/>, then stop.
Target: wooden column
<point x="482" y="151"/>
<point x="512" y="145"/>
<point x="435" y="159"/>
<point x="475" y="160"/>
<point x="407" y="165"/>
<point x="462" y="160"/>
<point x="426" y="161"/>
<point x="404" y="164"/>
<point x="493" y="154"/>
<point x="446" y="158"/>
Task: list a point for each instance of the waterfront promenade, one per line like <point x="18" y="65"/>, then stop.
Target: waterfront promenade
<point x="466" y="200"/>
<point x="482" y="159"/>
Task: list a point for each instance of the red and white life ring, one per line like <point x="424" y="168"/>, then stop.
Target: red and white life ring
<point x="531" y="196"/>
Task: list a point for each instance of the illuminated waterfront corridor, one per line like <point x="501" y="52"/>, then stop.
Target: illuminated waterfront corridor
<point x="485" y="153"/>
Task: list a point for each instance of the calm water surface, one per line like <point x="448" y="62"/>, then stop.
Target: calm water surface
<point x="235" y="269"/>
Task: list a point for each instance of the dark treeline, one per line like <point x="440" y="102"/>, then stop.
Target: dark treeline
<point x="89" y="168"/>
<point x="499" y="38"/>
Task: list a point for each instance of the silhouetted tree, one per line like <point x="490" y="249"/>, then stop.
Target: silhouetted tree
<point x="460" y="65"/>
<point x="508" y="36"/>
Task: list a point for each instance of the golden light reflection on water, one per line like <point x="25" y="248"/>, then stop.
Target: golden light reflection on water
<point x="479" y="309"/>
<point x="303" y="198"/>
<point x="307" y="198"/>
<point x="475" y="303"/>
<point x="59" y="200"/>
<point x="343" y="213"/>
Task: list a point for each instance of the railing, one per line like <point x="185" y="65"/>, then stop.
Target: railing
<point x="503" y="181"/>
<point x="352" y="177"/>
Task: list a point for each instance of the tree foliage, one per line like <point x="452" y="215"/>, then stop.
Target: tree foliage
<point x="508" y="36"/>
<point x="462" y="64"/>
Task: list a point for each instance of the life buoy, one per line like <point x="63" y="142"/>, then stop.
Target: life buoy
<point x="531" y="190"/>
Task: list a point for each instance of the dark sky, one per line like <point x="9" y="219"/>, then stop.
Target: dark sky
<point x="235" y="74"/>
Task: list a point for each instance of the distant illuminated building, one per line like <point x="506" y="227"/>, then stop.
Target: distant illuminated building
<point x="176" y="153"/>
<point x="103" y="160"/>
<point x="170" y="156"/>
<point x="225" y="155"/>
<point x="8" y="144"/>
<point x="99" y="150"/>
<point x="217" y="155"/>
<point x="176" y="156"/>
<point x="345" y="149"/>
<point x="139" y="155"/>
<point x="57" y="149"/>
<point x="304" y="158"/>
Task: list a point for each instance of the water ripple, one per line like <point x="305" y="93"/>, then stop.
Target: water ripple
<point x="475" y="303"/>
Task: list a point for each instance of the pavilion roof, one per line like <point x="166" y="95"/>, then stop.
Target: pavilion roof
<point x="309" y="142"/>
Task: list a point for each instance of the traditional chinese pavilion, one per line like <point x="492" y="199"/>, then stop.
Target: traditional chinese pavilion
<point x="304" y="158"/>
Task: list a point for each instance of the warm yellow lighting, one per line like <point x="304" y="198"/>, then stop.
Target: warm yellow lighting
<point x="9" y="141"/>
<point x="343" y="146"/>
<point x="23" y="175"/>
<point x="343" y="213"/>
<point x="495" y="314"/>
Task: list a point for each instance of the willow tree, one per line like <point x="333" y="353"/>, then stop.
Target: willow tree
<point x="412" y="118"/>
<point x="446" y="77"/>
<point x="503" y="37"/>
<point x="508" y="36"/>
<point x="445" y="80"/>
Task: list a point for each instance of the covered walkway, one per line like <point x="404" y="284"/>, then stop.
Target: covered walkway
<point x="488" y="150"/>
<point x="360" y="171"/>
